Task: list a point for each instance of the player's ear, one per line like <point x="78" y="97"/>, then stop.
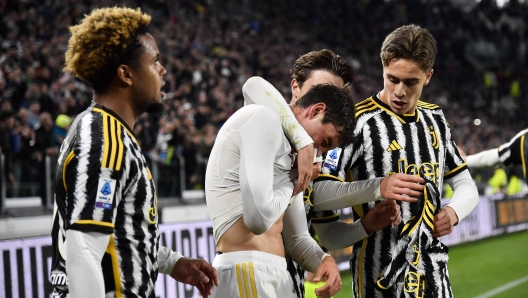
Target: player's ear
<point x="317" y="110"/>
<point x="295" y="89"/>
<point x="124" y="74"/>
<point x="428" y="76"/>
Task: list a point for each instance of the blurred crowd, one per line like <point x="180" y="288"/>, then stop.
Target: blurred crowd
<point x="210" y="48"/>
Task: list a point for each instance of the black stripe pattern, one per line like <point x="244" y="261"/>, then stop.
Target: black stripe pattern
<point x="102" y="184"/>
<point x="419" y="144"/>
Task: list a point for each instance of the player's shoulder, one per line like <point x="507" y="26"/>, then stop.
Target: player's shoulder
<point x="366" y="111"/>
<point x="367" y="108"/>
<point x="428" y="106"/>
<point x="254" y="112"/>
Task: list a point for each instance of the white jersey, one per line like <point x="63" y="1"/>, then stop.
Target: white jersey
<point x="249" y="172"/>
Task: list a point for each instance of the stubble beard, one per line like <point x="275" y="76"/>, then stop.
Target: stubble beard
<point x="155" y="108"/>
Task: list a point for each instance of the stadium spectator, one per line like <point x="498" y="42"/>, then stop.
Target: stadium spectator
<point x="45" y="143"/>
<point x="7" y="122"/>
<point x="209" y="56"/>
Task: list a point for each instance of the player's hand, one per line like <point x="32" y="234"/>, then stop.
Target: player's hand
<point x="196" y="272"/>
<point x="402" y="187"/>
<point x="328" y="269"/>
<point x="444" y="221"/>
<point x="305" y="158"/>
<point x="384" y="214"/>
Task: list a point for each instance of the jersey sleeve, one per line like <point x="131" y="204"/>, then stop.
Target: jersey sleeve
<point x="265" y="196"/>
<point x="93" y="174"/>
<point x="515" y="151"/>
<point x="256" y="90"/>
<point x="298" y="242"/>
<point x="454" y="162"/>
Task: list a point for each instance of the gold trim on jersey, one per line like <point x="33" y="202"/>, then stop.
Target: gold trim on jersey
<point x="115" y="266"/>
<point x="70" y="156"/>
<point x="114" y="141"/>
<point x="365" y="102"/>
<point x="390" y="112"/>
<point x="331" y="177"/>
<point x="429" y="217"/>
<point x="426" y="105"/>
<point x="358" y="210"/>
<point x="306" y="197"/>
<point x="112" y="130"/>
<point x="96" y="223"/>
<point x="324" y="217"/>
<point x="426" y="216"/>
<point x="455" y="169"/>
<point x="379" y="284"/>
<point x="127" y="130"/>
<point x="360" y="269"/>
<point x="365" y="106"/>
<point x="523" y="162"/>
<point x="349" y="176"/>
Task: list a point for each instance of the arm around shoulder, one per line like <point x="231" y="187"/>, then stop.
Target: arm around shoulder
<point x="258" y="91"/>
<point x="262" y="201"/>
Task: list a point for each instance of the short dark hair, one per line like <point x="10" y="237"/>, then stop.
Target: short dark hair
<point x="321" y="60"/>
<point x="410" y="42"/>
<point x="106" y="38"/>
<point x="339" y="111"/>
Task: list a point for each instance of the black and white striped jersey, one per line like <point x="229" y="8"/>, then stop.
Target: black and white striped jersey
<point x="103" y="184"/>
<point x="388" y="143"/>
<point x="515" y="152"/>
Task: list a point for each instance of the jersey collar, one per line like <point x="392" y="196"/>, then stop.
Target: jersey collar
<point x="406" y="118"/>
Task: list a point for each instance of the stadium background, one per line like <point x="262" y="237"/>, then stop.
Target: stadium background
<point x="209" y="49"/>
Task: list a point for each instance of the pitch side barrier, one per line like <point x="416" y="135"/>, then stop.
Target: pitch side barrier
<point x="25" y="263"/>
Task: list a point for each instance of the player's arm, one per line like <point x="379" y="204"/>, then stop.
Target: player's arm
<point x="487" y="158"/>
<point x="256" y="90"/>
<point x="304" y="250"/>
<point x="465" y="199"/>
<point x="335" y="234"/>
<point x="195" y="272"/>
<point x="262" y="204"/>
<point x="334" y="195"/>
<point x="465" y="194"/>
<point x="507" y="153"/>
<point x="84" y="254"/>
<point x="93" y="180"/>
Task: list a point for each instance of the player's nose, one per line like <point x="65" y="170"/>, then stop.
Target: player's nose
<point x="399" y="91"/>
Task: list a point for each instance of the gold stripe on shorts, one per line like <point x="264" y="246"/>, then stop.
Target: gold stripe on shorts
<point x="252" y="278"/>
<point x="247" y="286"/>
<point x="239" y="279"/>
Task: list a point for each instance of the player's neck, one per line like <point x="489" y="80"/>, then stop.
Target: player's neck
<point x="118" y="105"/>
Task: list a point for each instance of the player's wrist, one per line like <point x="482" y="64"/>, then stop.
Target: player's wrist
<point x="328" y="259"/>
<point x="367" y="226"/>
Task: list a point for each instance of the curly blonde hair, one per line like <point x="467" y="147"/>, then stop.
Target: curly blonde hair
<point x="105" y="39"/>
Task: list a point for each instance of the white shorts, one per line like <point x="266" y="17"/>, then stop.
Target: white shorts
<point x="252" y="274"/>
